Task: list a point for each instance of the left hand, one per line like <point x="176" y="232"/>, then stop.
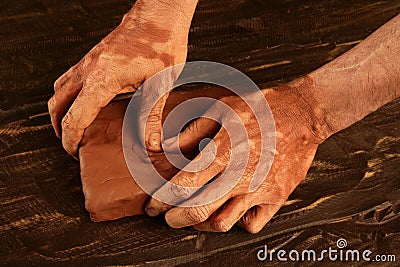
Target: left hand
<point x="151" y="37"/>
<point x="299" y="132"/>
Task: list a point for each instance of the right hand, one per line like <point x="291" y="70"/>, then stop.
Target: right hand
<point x="299" y="131"/>
<point x="151" y="37"/>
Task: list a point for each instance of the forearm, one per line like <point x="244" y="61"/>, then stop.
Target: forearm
<point x="358" y="82"/>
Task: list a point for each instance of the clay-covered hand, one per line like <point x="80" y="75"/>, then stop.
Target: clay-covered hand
<point x="151" y="37"/>
<point x="298" y="133"/>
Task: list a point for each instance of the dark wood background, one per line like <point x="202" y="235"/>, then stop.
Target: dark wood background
<point x="350" y="191"/>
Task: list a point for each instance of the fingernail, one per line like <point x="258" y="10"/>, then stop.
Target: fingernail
<point x="152" y="212"/>
<point x="154" y="140"/>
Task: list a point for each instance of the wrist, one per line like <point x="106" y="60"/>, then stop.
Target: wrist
<point x="313" y="106"/>
<point x="298" y="102"/>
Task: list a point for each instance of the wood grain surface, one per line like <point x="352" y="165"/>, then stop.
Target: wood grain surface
<point x="351" y="190"/>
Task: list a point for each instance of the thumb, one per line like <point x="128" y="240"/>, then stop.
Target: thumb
<point x="189" y="139"/>
<point x="153" y="129"/>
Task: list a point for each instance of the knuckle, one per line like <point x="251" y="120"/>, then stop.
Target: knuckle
<point x="154" y="118"/>
<point x="180" y="192"/>
<point x="59" y="82"/>
<point x="182" y="189"/>
<point x="221" y="225"/>
<point x="197" y="214"/>
<point x="186" y="181"/>
<point x="66" y="122"/>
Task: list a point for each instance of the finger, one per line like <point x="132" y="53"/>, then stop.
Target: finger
<point x="269" y="199"/>
<point x="257" y="217"/>
<point x="154" y="126"/>
<point x="187" y="183"/>
<point x="59" y="83"/>
<point x="73" y="74"/>
<point x="204" y="167"/>
<point x="189" y="139"/>
<point x="195" y="214"/>
<point x="66" y="89"/>
<point x="155" y="91"/>
<point x="224" y="220"/>
<point x="97" y="91"/>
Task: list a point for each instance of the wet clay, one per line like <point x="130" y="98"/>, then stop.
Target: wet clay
<point x="110" y="191"/>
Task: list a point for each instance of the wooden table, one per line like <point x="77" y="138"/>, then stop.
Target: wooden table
<point x="345" y="194"/>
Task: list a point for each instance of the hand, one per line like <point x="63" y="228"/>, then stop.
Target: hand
<point x="298" y="133"/>
<point x="151" y="37"/>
